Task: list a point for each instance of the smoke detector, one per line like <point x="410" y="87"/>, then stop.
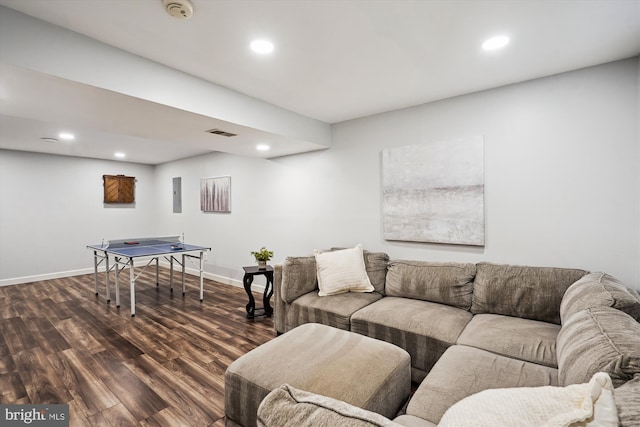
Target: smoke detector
<point x="181" y="9"/>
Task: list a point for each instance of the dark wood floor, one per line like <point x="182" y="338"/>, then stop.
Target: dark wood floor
<point x="59" y="343"/>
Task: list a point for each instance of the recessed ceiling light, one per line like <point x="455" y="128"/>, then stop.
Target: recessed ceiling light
<point x="120" y="155"/>
<point x="495" y="43"/>
<point x="262" y="46"/>
<point x="262" y="147"/>
<point x="66" y="136"/>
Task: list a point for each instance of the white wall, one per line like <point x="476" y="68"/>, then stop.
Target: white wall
<point x="562" y="180"/>
<point x="51" y="208"/>
<point x="562" y="187"/>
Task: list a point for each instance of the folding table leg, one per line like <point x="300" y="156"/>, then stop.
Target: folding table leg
<point x="133" y="287"/>
<point x="117" y="283"/>
<point x="183" y="287"/>
<point x="95" y="270"/>
<point x="201" y="283"/>
<point x="106" y="276"/>
<point x="171" y="274"/>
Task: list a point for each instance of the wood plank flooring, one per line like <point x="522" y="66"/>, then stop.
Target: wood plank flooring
<point x="59" y="343"/>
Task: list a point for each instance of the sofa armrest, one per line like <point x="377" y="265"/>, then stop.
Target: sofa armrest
<point x="279" y="306"/>
<point x="287" y="406"/>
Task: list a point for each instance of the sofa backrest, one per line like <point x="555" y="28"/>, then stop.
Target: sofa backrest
<point x="522" y="291"/>
<point x="376" y="265"/>
<point x="444" y="283"/>
<point x="299" y="275"/>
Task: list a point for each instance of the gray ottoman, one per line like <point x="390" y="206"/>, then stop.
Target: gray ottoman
<point x="359" y="370"/>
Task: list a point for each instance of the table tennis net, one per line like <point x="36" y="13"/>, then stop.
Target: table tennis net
<point x="142" y="241"/>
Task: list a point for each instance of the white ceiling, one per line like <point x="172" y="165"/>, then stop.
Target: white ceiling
<point x="333" y="60"/>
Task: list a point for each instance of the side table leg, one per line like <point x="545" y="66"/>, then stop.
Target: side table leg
<point x="251" y="306"/>
<point x="268" y="292"/>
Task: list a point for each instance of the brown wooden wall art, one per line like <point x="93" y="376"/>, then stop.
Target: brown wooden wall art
<point x="119" y="188"/>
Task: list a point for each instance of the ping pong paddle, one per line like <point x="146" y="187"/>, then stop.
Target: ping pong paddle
<point x="131" y="243"/>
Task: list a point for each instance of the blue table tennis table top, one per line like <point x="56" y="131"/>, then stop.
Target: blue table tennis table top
<point x="146" y="247"/>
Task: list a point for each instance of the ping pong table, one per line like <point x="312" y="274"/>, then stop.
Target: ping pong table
<point x="125" y="251"/>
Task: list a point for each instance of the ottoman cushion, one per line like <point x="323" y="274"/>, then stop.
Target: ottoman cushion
<point x="361" y="371"/>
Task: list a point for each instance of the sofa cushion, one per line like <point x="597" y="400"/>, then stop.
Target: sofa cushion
<point x="287" y="406"/>
<point x="446" y="283"/>
<point x="577" y="405"/>
<point x="599" y="290"/>
<point x="521" y="291"/>
<point x="524" y="339"/>
<point x="599" y="339"/>
<point x="376" y="265"/>
<point x="411" y="421"/>
<point x="424" y="329"/>
<point x="342" y="271"/>
<point x="298" y="277"/>
<point x="628" y="403"/>
<point x="333" y="310"/>
<point x="463" y="371"/>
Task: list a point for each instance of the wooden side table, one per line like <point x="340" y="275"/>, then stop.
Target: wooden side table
<point x="247" y="280"/>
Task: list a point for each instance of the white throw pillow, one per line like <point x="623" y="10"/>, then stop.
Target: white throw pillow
<point x="577" y="405"/>
<point x="342" y="271"/>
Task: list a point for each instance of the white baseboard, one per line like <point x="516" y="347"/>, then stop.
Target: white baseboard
<point x="48" y="276"/>
<point x="61" y="274"/>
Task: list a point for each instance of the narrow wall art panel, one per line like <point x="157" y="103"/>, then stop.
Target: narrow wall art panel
<point x="215" y="194"/>
<point x="434" y="192"/>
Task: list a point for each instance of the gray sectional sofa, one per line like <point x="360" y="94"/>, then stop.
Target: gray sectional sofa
<point x="471" y="327"/>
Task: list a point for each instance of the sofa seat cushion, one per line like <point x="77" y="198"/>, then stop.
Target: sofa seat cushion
<point x="599" y="290"/>
<point x="599" y="339"/>
<point x="411" y="421"/>
<point x="522" y="291"/>
<point x="524" y="339"/>
<point x="628" y="402"/>
<point x="425" y="329"/>
<point x="446" y="283"/>
<point x="332" y="310"/>
<point x="463" y="371"/>
<point x="577" y="405"/>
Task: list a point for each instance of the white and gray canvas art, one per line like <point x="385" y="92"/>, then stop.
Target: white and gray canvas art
<point x="434" y="192"/>
<point x="215" y="194"/>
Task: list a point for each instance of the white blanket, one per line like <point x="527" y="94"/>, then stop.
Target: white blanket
<point x="578" y="405"/>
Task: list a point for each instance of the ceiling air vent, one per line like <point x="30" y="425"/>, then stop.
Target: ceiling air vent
<point x="220" y="132"/>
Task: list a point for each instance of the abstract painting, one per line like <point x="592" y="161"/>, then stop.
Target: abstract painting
<point x="434" y="192"/>
<point x="215" y="194"/>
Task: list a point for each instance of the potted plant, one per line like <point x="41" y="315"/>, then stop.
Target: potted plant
<point x="262" y="256"/>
